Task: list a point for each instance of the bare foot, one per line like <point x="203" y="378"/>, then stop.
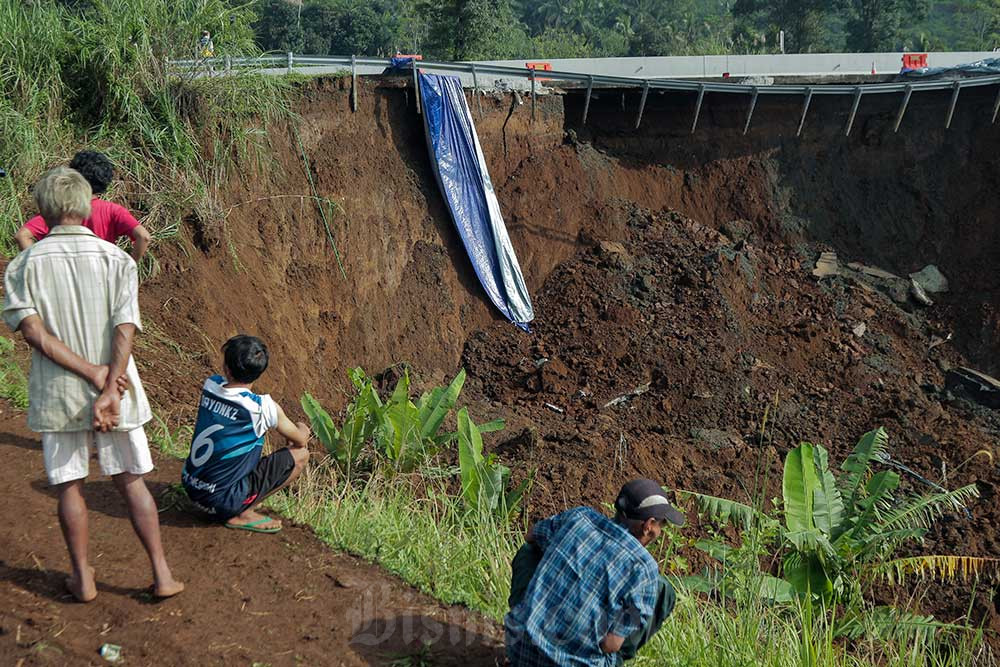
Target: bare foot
<point x="167" y="589"/>
<point x="84" y="589"/>
<point x="257" y="520"/>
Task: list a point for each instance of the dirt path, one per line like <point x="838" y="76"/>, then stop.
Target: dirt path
<point x="285" y="599"/>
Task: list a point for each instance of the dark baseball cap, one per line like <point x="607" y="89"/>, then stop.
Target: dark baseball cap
<point x="643" y="499"/>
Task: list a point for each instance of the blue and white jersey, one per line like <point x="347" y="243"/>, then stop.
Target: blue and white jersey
<point x="226" y="445"/>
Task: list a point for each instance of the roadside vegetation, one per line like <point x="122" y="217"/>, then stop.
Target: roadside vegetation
<point x="93" y="74"/>
<point x="810" y="606"/>
<point x="495" y="29"/>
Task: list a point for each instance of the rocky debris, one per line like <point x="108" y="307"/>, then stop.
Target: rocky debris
<point x="768" y="362"/>
<point x="919" y="295"/>
<point x="872" y="271"/>
<point x="624" y="398"/>
<point x="899" y="293"/>
<point x="930" y="279"/>
<point x="552" y="376"/>
<point x="975" y="386"/>
<point x="737" y="230"/>
<point x="615" y="255"/>
<point x="826" y="265"/>
<point x="937" y="340"/>
<point x="716" y="439"/>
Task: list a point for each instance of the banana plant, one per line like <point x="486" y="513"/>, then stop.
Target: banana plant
<point x="409" y="433"/>
<point x="835" y="534"/>
<point x="406" y="433"/>
<point x="484" y="481"/>
<point x="362" y="415"/>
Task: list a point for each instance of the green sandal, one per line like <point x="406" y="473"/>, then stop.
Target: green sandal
<point x="253" y="526"/>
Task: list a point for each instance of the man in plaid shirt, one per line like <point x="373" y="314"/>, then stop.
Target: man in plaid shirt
<point x="584" y="589"/>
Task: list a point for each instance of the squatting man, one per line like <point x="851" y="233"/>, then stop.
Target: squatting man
<point x="584" y="589"/>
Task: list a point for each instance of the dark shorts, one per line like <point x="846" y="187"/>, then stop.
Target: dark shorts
<point x="271" y="472"/>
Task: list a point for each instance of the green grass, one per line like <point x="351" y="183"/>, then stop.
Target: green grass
<point x="175" y="441"/>
<point x="413" y="527"/>
<point x="705" y="633"/>
<point x="95" y="77"/>
<point x="13" y="379"/>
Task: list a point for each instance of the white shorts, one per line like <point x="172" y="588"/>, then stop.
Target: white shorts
<point x="67" y="453"/>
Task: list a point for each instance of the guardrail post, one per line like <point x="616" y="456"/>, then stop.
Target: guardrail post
<point x="996" y="107"/>
<point x="475" y="90"/>
<point x="416" y="88"/>
<point x="697" y="107"/>
<point x="354" y="83"/>
<point x="954" y="102"/>
<point x="642" y="104"/>
<point x="532" y="70"/>
<point x="902" y="107"/>
<point x="854" y="111"/>
<point x="805" y="110"/>
<point x="289" y="61"/>
<point x="753" y="105"/>
<point x="586" y="104"/>
<point x="229" y="64"/>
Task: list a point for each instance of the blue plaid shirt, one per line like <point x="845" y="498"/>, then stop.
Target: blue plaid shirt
<point x="594" y="578"/>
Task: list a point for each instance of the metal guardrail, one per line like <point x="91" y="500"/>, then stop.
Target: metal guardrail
<point x="290" y="61"/>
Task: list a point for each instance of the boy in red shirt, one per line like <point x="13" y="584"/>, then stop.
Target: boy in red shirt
<point x="107" y="220"/>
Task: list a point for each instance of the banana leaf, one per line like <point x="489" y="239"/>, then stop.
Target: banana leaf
<point x="723" y="510"/>
<point x="433" y="408"/>
<point x="806" y="574"/>
<point x="322" y="425"/>
<point x="798" y="489"/>
<point x="872" y="445"/>
<point x="470" y="458"/>
<point x="879" y="495"/>
<point x="828" y="506"/>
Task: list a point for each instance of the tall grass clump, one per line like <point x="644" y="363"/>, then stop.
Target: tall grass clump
<point x="94" y="74"/>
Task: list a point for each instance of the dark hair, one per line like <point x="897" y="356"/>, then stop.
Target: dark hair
<point x="246" y="357"/>
<point x="96" y="168"/>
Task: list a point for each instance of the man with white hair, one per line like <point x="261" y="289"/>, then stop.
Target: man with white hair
<point x="584" y="589"/>
<point x="74" y="298"/>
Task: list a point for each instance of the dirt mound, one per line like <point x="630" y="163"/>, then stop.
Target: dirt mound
<point x="707" y="332"/>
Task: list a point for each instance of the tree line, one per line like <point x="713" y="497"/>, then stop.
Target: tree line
<point x="497" y="29"/>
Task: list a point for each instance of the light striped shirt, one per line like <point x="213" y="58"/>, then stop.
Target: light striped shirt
<point x="82" y="288"/>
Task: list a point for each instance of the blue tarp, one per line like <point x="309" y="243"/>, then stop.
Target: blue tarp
<point x="461" y="172"/>
<point x="402" y="62"/>
<point x="986" y="67"/>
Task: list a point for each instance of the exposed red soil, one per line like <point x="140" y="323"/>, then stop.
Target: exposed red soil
<point x="282" y="599"/>
<point x="653" y="256"/>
